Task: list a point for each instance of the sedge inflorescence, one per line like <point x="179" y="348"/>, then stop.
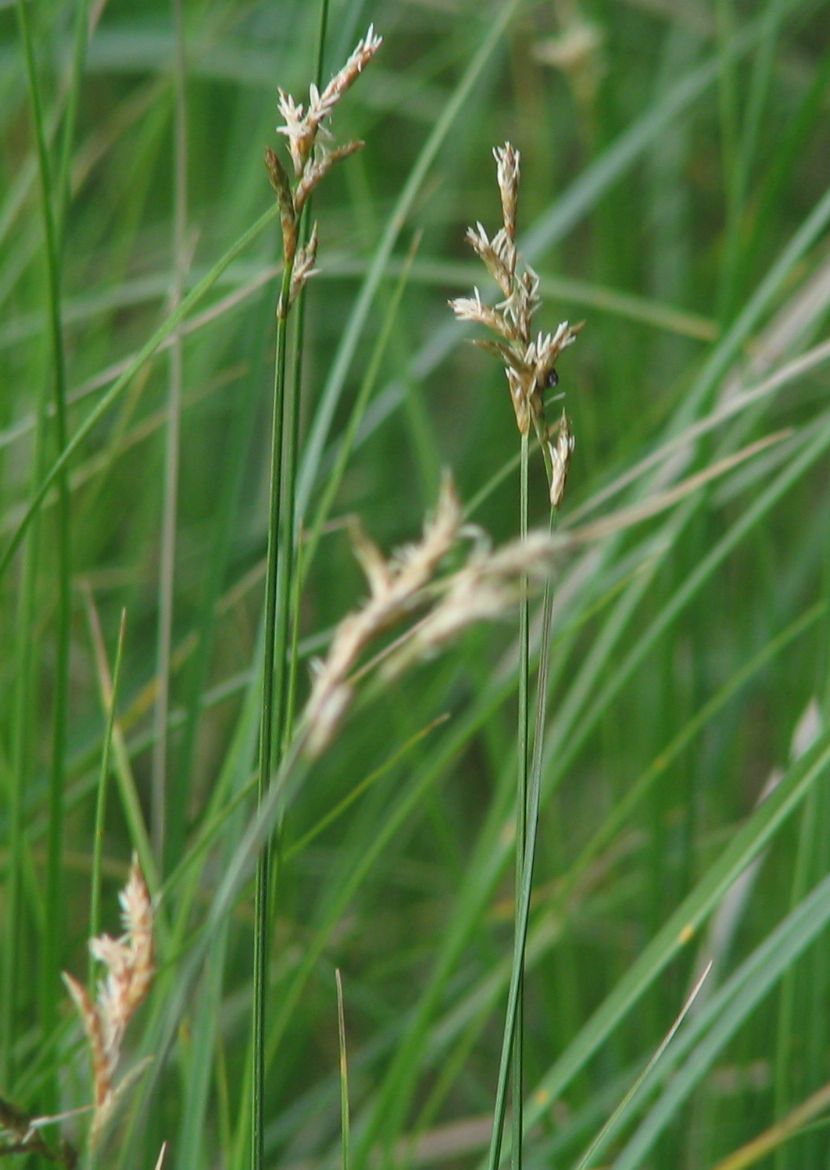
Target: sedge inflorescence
<point x="529" y="362"/>
<point x="130" y="967"/>
<point x="313" y="154"/>
<point x="409" y="587"/>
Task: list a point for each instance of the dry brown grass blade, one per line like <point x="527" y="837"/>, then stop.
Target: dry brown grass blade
<point x="763" y="1145"/>
<point x="636" y="513"/>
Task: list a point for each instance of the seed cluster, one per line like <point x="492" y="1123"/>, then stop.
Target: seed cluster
<point x="130" y="967"/>
<point x="529" y="363"/>
<point x="409" y="587"/>
<point x="312" y="157"/>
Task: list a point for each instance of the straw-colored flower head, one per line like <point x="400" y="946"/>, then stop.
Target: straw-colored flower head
<point x="130" y="968"/>
<point x="302" y="125"/>
<point x="507" y="173"/>
<point x="529" y="362"/>
<point x="560" y="456"/>
<point x="304" y="265"/>
<point x="309" y="141"/>
<point x="410" y="589"/>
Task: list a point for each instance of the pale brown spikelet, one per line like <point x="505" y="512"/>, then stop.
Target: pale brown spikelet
<point x="498" y="255"/>
<point x="94" y="1028"/>
<point x="529" y="362"/>
<point x="308" y="137"/>
<point x="302" y="126"/>
<point x="325" y="712"/>
<point x="408" y="584"/>
<point x="507" y="174"/>
<point x="560" y="457"/>
<point x="415" y="564"/>
<point x="130" y="968"/>
<point x="278" y="177"/>
<point x="486" y="587"/>
<point x="304" y="265"/>
<point x="317" y="170"/>
<point x="519" y="397"/>
<point x="472" y="309"/>
<point x="361" y="55"/>
<point x="296" y="128"/>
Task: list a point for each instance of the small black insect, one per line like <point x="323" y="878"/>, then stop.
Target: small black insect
<point x="546" y="380"/>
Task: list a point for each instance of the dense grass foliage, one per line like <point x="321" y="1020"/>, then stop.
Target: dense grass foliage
<point x="675" y="194"/>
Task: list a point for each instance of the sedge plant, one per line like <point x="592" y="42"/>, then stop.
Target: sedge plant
<point x="530" y="368"/>
<point x="635" y="623"/>
<point x="312" y="157"/>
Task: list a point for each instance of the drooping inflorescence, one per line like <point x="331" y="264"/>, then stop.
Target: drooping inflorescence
<point x="408" y="589"/>
<point x="130" y="967"/>
<point x="529" y="362"/>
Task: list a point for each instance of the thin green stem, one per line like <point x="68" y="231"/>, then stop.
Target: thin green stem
<point x="523" y="909"/>
<point x="20" y="771"/>
<point x="289" y="593"/>
<point x="280" y="570"/>
<point x="344" y="1075"/>
<point x="111" y="704"/>
<point x="521" y="808"/>
<point x="53" y="928"/>
<point x="348" y="436"/>
<point x="64" y="181"/>
<point x="167" y="557"/>
<point x="289" y="640"/>
<point x="288" y="540"/>
<point x="266" y="733"/>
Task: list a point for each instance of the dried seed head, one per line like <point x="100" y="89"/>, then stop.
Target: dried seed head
<point x="130" y="965"/>
<point x="408" y="584"/>
<point x="507" y="174"/>
<point x="304" y="265"/>
<point x="93" y="1026"/>
<point x="520" y="398"/>
<point x="311" y="158"/>
<point x="529" y="364"/>
<point x="395" y="588"/>
<point x="326" y="716"/>
<point x="319" y="168"/>
<point x="498" y="254"/>
<point x="288" y="217"/>
<point x="560" y="457"/>
<point x="473" y="309"/>
<point x="300" y="126"/>
<point x="484" y="589"/>
<point x="297" y="129"/>
<point x="362" y="54"/>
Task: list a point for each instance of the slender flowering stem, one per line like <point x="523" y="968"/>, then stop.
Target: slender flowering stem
<point x="52" y="199"/>
<point x="530" y="369"/>
<point x="521" y="801"/>
<point x="311" y="160"/>
<point x="261" y="917"/>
